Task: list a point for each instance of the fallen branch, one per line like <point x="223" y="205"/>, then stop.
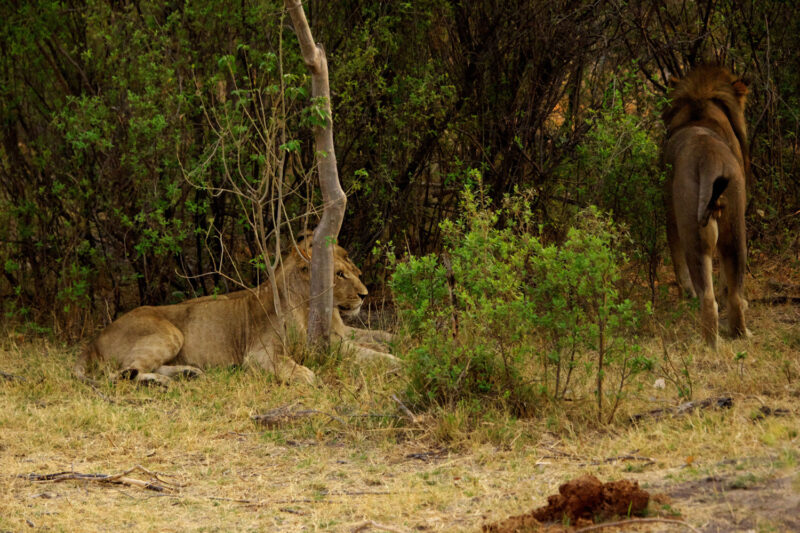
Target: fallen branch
<point x="287" y="413"/>
<point x="776" y="300"/>
<point x="10" y="377"/>
<point x="292" y="511"/>
<point x="636" y="521"/>
<point x="406" y="410"/>
<point x="724" y="402"/>
<point x="646" y="460"/>
<point x="427" y="456"/>
<point x="371" y="524"/>
<point x="261" y="503"/>
<point x="117" y="479"/>
<point x="765" y="411"/>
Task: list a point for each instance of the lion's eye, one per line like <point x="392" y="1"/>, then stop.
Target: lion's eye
<point x="340" y="274"/>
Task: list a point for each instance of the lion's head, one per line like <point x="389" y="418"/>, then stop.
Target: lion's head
<point x="348" y="290"/>
<point x="712" y="95"/>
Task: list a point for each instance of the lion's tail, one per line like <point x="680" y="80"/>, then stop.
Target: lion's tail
<point x="86" y="357"/>
<point x="713" y="181"/>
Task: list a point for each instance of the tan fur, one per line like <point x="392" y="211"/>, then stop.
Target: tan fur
<point x="708" y="159"/>
<point x="156" y="343"/>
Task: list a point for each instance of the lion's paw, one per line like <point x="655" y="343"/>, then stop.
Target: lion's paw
<point x="149" y="378"/>
<point x="303" y="375"/>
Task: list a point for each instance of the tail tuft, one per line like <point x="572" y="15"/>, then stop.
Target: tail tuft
<point x="719" y="186"/>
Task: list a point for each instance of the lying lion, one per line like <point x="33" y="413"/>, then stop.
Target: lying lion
<point x="706" y="151"/>
<point x="153" y="344"/>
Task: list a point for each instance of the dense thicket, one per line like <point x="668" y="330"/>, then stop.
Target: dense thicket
<point x="105" y="109"/>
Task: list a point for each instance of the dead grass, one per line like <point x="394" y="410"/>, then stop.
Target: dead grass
<point x="359" y="458"/>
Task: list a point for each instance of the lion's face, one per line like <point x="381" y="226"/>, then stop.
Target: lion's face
<point x="348" y="290"/>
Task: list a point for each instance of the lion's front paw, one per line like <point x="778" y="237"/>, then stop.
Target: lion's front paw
<point x="191" y="372"/>
<point x="302" y="374"/>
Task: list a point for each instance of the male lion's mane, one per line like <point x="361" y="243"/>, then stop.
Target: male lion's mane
<point x="709" y="85"/>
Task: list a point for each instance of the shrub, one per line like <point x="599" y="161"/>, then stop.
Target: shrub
<point x="616" y="167"/>
<point x="501" y="318"/>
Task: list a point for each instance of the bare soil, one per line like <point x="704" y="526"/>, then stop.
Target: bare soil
<point x="740" y="502"/>
<point x="733" y="500"/>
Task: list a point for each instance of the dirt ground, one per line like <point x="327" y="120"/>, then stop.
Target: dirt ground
<point x="731" y="500"/>
<point x="244" y="480"/>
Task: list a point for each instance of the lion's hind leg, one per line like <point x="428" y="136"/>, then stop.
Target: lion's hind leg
<point x="144" y="350"/>
<point x="732" y="259"/>
<point x="701" y="268"/>
<point x="678" y="255"/>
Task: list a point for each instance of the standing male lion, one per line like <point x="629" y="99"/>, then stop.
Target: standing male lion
<point x="706" y="152"/>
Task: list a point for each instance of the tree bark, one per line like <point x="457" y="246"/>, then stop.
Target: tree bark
<point x="333" y="197"/>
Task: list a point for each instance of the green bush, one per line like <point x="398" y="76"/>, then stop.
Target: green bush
<point x="501" y="318"/>
<point x="616" y="168"/>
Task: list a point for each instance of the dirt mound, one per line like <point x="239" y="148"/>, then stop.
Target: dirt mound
<point x="579" y="501"/>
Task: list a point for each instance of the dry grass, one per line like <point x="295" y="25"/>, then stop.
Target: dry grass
<point x="367" y="461"/>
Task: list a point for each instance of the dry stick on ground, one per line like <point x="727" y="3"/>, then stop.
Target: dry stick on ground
<point x="292" y="511"/>
<point x="776" y="300"/>
<point x="119" y="479"/>
<point x="261" y="503"/>
<point x="629" y="457"/>
<point x="427" y="456"/>
<point x="364" y="526"/>
<point x="264" y="503"/>
<point x="10" y="377"/>
<point x="280" y="415"/>
<point x="405" y="409"/>
<point x="636" y="521"/>
<point x="95" y="386"/>
<point x="687" y="407"/>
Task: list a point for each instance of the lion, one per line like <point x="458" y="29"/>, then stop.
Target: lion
<point x="154" y="344"/>
<point x="707" y="157"/>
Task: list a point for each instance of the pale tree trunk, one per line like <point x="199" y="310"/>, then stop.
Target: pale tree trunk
<point x="333" y="197"/>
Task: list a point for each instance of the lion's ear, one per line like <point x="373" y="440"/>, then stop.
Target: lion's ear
<point x="740" y="87"/>
<point x="302" y="249"/>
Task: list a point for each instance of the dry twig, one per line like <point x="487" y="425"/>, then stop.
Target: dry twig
<point x="119" y="479"/>
<point x="628" y="457"/>
<point x="686" y="407"/>
<point x="281" y="415"/>
<point x="10" y="377"/>
<point x="636" y="521"/>
<point x="406" y="410"/>
<point x="427" y="456"/>
<point x="371" y="524"/>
